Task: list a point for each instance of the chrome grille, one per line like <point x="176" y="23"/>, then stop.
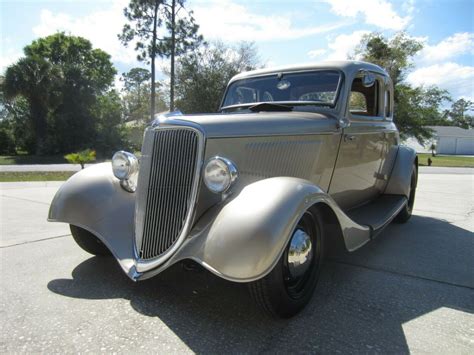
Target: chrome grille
<point x="165" y="189"/>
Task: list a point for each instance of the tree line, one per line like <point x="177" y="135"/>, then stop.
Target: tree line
<point x="59" y="98"/>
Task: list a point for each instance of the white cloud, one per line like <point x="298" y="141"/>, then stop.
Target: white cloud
<point x="100" y="27"/>
<point x="315" y="53"/>
<point x="8" y="53"/>
<point x="230" y="21"/>
<point x="379" y="13"/>
<point x="343" y="45"/>
<point x="457" y="79"/>
<point x="451" y="47"/>
<point x="7" y="58"/>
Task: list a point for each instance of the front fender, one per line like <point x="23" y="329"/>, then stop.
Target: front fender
<point x="94" y="200"/>
<point x="244" y="239"/>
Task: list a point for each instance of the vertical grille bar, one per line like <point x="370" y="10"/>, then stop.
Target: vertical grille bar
<point x="165" y="192"/>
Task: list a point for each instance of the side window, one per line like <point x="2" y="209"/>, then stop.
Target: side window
<point x="364" y="100"/>
<point x="358" y="103"/>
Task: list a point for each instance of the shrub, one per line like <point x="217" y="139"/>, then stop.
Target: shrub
<point x="82" y="157"/>
<point x="7" y="144"/>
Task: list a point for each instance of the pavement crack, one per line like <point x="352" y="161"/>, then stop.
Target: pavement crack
<point x="34" y="241"/>
<point x="25" y="199"/>
<point x="335" y="261"/>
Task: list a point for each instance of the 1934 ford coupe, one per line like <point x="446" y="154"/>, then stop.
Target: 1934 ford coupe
<point x="250" y="193"/>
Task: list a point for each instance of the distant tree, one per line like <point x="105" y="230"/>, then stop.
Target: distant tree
<point x="145" y="17"/>
<point x="135" y="78"/>
<point x="202" y="76"/>
<point x="433" y="149"/>
<point x="16" y="122"/>
<point x="107" y="112"/>
<point x="136" y="95"/>
<point x="394" y="55"/>
<point x="61" y="77"/>
<point x="459" y="113"/>
<point x="415" y="108"/>
<point x="36" y="80"/>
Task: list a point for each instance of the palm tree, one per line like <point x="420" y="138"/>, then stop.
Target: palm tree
<point x="33" y="78"/>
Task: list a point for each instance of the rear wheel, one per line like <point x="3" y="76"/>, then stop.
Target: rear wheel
<point x="405" y="214"/>
<point x="289" y="286"/>
<point x="88" y="241"/>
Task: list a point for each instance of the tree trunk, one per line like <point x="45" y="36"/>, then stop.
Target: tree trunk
<point x="173" y="52"/>
<point x="153" y="55"/>
<point x="38" y="115"/>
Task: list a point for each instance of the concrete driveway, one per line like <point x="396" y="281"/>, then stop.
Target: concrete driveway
<point x="410" y="290"/>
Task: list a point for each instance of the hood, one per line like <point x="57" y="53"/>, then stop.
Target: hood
<point x="256" y="124"/>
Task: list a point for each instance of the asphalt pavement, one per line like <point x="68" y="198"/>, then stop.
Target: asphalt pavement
<point x="409" y="290"/>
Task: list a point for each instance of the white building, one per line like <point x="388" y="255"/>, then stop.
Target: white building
<point x="453" y="140"/>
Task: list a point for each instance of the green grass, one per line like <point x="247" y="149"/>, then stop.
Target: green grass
<point x="22" y="159"/>
<point x="446" y="160"/>
<point x="35" y="176"/>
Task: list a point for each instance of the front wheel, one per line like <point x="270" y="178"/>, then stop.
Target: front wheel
<point x="288" y="288"/>
<point x="88" y="241"/>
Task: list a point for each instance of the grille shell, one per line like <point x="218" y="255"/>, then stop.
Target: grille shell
<point x="167" y="189"/>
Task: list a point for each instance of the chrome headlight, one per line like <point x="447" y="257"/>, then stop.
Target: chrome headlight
<point x="125" y="168"/>
<point x="219" y="174"/>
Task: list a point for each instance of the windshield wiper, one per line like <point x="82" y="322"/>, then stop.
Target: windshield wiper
<point x="269" y="107"/>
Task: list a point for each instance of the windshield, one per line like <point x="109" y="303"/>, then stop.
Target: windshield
<point x="316" y="88"/>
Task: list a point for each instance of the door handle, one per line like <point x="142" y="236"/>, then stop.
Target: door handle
<point x="349" y="138"/>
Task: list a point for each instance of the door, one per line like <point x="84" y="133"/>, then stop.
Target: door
<point x="465" y="146"/>
<point x="358" y="176"/>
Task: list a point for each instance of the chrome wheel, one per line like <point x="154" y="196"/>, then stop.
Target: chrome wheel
<point x="302" y="253"/>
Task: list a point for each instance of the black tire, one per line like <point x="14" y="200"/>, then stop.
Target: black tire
<point x="89" y="242"/>
<point x="405" y="214"/>
<point x="282" y="296"/>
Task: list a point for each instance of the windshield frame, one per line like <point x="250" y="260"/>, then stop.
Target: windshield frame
<point x="332" y="104"/>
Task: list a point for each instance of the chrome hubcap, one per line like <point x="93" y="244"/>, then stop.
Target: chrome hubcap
<point x="300" y="253"/>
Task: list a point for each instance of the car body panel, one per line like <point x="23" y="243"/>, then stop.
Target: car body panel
<point x="257" y="124"/>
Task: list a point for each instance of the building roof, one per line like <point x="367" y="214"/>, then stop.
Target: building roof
<point x="349" y="67"/>
<point x="450" y="131"/>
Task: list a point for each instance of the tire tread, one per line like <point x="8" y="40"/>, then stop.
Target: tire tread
<point x="88" y="242"/>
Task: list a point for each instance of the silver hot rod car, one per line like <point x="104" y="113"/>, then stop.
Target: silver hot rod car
<point x="296" y="157"/>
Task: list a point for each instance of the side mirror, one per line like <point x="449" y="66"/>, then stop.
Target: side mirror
<point x="368" y="79"/>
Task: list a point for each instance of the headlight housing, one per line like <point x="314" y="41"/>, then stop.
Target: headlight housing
<point x="219" y="174"/>
<point x="125" y="168"/>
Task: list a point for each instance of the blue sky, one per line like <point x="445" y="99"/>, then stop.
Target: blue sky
<point x="285" y="32"/>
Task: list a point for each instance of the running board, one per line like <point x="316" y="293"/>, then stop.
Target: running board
<point x="378" y="213"/>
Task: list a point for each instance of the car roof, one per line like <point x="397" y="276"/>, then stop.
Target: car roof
<point x="348" y="67"/>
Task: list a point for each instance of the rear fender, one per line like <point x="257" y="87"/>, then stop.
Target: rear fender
<point x="400" y="179"/>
